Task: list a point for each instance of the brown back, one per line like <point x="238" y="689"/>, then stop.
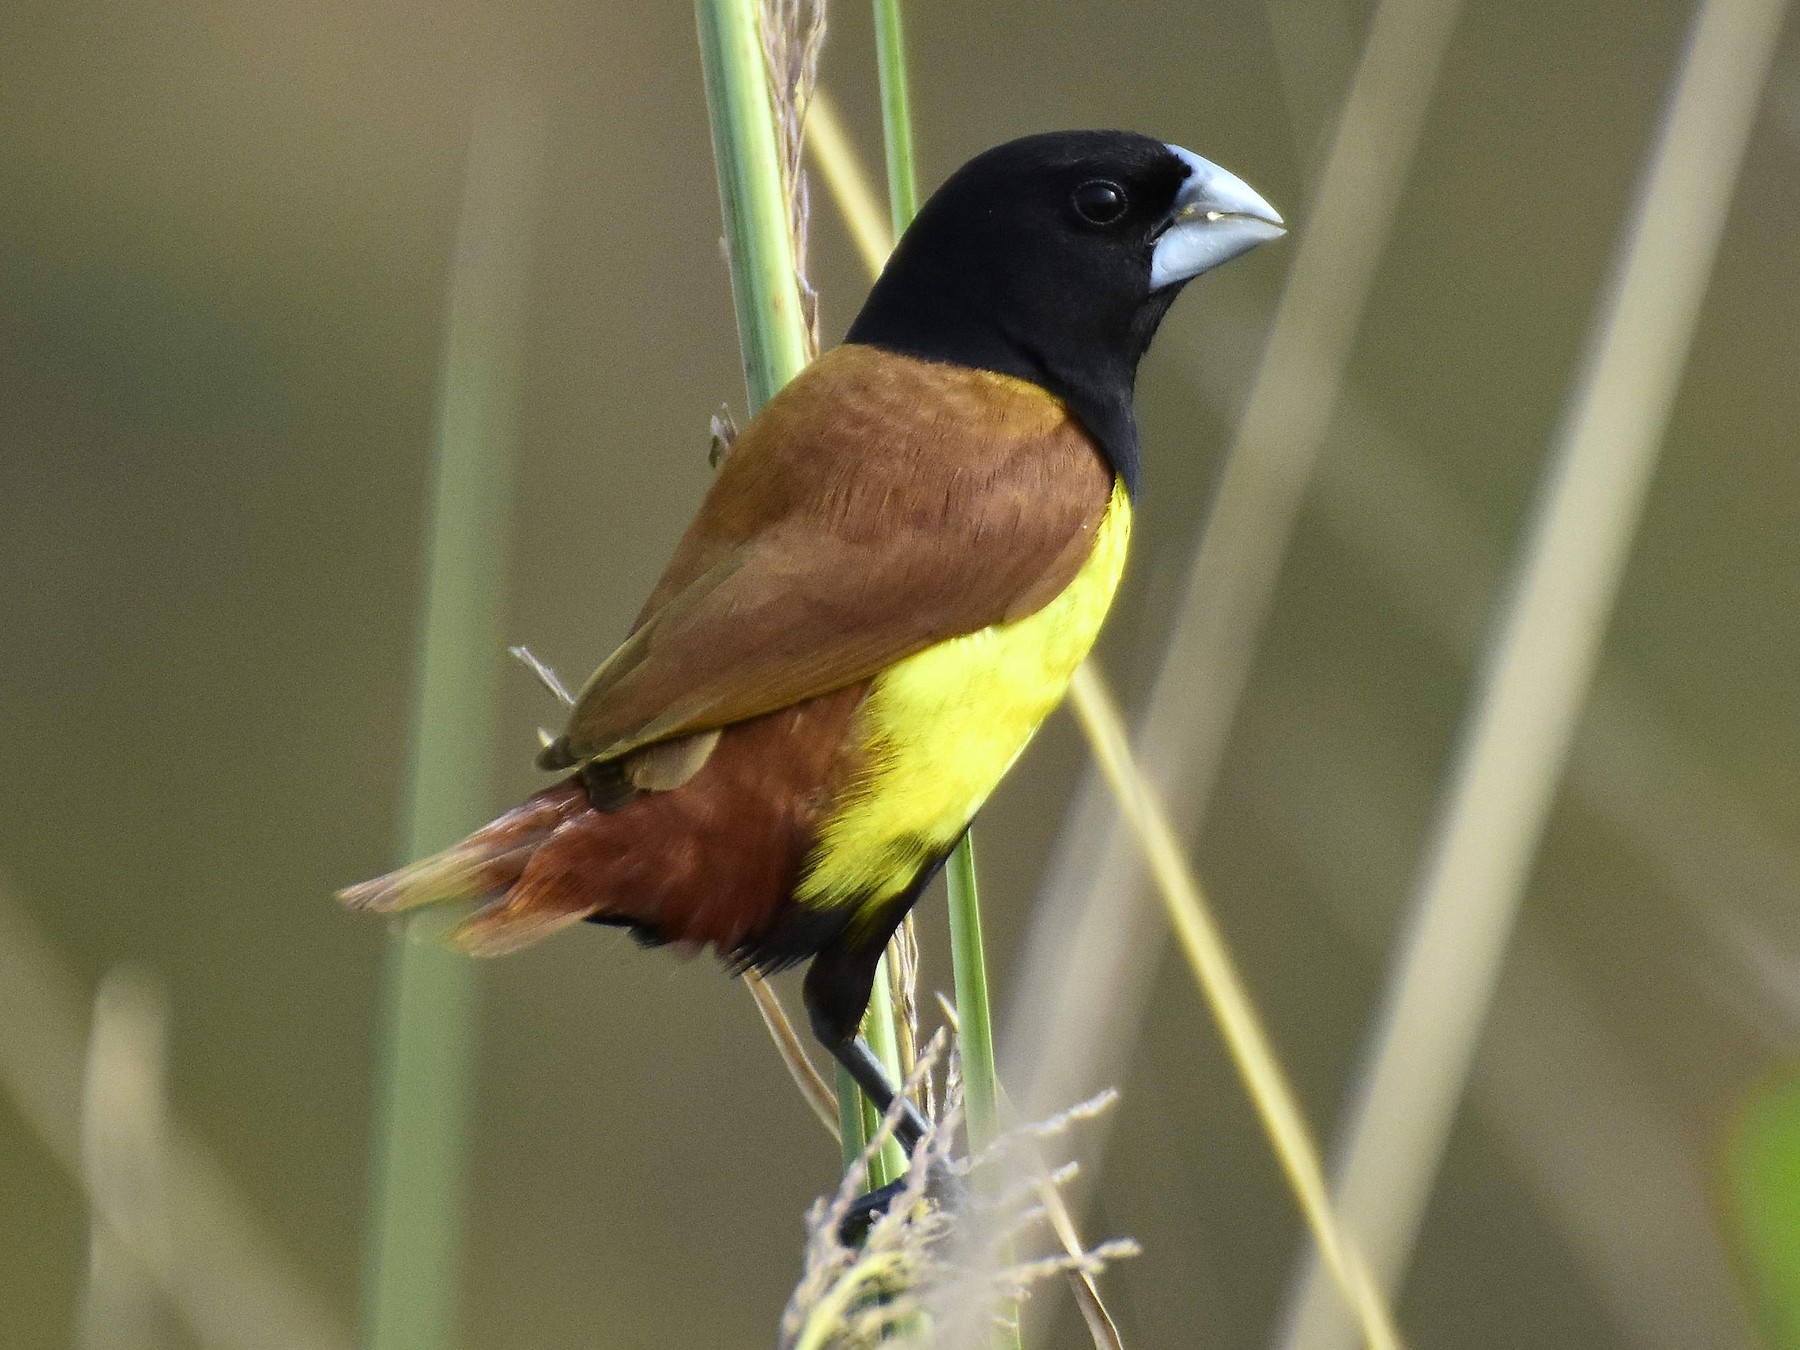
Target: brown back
<point x="877" y="505"/>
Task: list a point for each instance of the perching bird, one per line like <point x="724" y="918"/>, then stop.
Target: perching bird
<point x="887" y="589"/>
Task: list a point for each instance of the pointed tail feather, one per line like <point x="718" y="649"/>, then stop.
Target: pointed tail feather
<point x="486" y="864"/>
<point x="461" y="872"/>
<point x="505" y="926"/>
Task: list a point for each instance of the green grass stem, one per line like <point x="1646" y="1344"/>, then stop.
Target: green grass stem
<point x="412" y="1267"/>
<point x="981" y="1086"/>
<point x="896" y="115"/>
<point x="746" y="152"/>
<point x="772" y="336"/>
<point x="878" y="1027"/>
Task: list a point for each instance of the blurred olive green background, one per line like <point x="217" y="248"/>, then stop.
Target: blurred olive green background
<point x="224" y="237"/>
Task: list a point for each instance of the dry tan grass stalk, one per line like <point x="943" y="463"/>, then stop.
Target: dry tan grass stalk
<point x="1383" y="500"/>
<point x="1251" y="1051"/>
<point x="793" y="34"/>
<point x="124" y="1153"/>
<point x="812" y="1085"/>
<point x="903" y="984"/>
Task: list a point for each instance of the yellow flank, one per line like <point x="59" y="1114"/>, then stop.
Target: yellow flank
<point x="942" y="728"/>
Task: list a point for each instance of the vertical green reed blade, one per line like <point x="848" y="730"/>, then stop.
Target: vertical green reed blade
<point x="771" y="327"/>
<point x="975" y="1031"/>
<point x="974" y="1016"/>
<point x="416" y="1221"/>
<point x="878" y="1030"/>
<point x="772" y="336"/>
<point x="896" y="115"/>
<point x="981" y="1087"/>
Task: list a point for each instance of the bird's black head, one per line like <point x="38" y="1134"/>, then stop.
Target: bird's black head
<point x="1054" y="258"/>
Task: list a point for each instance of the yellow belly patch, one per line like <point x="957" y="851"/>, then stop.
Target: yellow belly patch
<point x="941" y="728"/>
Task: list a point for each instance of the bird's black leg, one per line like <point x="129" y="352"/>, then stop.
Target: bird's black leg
<point x="837" y="994"/>
<point x="871" y="1076"/>
<point x="838" y="984"/>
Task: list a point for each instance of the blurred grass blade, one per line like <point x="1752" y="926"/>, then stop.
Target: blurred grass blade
<point x="1589" y="1137"/>
<point x="1388" y="504"/>
<point x="124" y="1153"/>
<point x="851" y="187"/>
<point x="773" y="337"/>
<point x="1091" y="951"/>
<point x="1249" y="1044"/>
<point x="1625" y="1195"/>
<point x="1765" y="1206"/>
<point x="415" y="1232"/>
<point x="849" y="182"/>
<point x="222" y="1272"/>
<point x="1542" y="662"/>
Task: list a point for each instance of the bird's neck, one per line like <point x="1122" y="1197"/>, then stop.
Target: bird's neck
<point x="1096" y="387"/>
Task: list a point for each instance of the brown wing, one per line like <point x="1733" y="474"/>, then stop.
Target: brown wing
<point x="877" y="506"/>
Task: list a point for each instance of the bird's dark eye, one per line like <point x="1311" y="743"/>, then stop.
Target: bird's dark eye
<point x="1100" y="202"/>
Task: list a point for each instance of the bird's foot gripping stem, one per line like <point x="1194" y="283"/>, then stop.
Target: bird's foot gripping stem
<point x="943" y="1184"/>
<point x="944" y="1187"/>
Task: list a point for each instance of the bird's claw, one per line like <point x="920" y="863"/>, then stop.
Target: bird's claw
<point x="945" y="1187"/>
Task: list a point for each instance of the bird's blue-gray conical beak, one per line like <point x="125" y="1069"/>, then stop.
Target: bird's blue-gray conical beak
<point x="1216" y="217"/>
